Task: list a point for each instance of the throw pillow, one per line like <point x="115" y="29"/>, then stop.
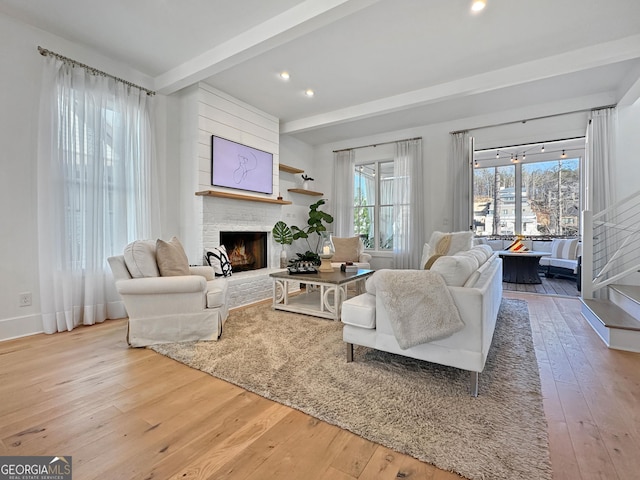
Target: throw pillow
<point x="444" y="244"/>
<point x="488" y="251"/>
<point x="517" y="245"/>
<point x="347" y="249"/>
<point x="426" y="253"/>
<point x="476" y="253"/>
<point x="455" y="269"/>
<point x="564" y="248"/>
<point x="140" y="259"/>
<point x="456" y="242"/>
<point x="217" y="257"/>
<point x="171" y="258"/>
<point x="431" y="260"/>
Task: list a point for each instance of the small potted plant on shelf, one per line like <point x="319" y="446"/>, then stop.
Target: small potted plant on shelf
<point x="305" y="181"/>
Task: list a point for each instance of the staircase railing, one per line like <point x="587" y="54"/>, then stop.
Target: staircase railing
<point x="610" y="244"/>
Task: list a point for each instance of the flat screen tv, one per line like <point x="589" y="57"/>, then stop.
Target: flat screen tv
<point x="234" y="165"/>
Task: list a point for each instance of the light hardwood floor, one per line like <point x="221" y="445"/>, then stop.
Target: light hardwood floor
<point x="133" y="414"/>
<point x="549" y="286"/>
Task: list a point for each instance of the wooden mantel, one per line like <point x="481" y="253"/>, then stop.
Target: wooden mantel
<point x="237" y="196"/>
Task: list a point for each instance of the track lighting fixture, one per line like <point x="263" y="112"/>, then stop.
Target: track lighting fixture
<point x="564" y="155"/>
<point x="542" y="150"/>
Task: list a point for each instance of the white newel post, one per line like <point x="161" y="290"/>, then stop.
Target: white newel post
<point x="587" y="255"/>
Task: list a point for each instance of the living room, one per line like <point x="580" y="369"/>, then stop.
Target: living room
<point x="530" y="108"/>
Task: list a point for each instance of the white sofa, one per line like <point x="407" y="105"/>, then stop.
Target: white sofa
<point x="167" y="309"/>
<point x="477" y="296"/>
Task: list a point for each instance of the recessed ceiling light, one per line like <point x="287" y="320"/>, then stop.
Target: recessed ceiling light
<point x="309" y="92"/>
<point x="478" y="5"/>
<point x="284" y="75"/>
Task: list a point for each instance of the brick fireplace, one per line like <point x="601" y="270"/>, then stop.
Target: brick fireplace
<point x="243" y="219"/>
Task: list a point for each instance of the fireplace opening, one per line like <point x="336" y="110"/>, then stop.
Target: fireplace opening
<point x="246" y="250"/>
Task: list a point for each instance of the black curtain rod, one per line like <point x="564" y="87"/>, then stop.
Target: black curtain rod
<point x="376" y="144"/>
<point x="535" y="118"/>
<point x="546" y="142"/>
<point x="44" y="52"/>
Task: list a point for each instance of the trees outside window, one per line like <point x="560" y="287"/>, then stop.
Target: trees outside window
<point x="533" y="199"/>
<point x="373" y="207"/>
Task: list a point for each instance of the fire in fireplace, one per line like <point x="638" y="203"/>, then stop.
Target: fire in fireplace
<point x="246" y="250"/>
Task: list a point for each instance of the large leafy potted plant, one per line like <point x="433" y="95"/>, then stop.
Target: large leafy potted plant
<point x="316" y="223"/>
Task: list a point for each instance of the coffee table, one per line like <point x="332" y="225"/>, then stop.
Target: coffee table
<point x="521" y="267"/>
<point x="325" y="291"/>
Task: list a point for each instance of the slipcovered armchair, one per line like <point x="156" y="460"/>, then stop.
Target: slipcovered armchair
<point x="350" y="249"/>
<point x="168" y="303"/>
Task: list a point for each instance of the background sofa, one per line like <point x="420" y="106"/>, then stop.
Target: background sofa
<point x="563" y="261"/>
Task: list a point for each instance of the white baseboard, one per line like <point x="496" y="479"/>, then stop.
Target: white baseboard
<point x="17" y="327"/>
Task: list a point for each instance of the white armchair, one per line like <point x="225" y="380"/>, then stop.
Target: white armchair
<point x="350" y="249"/>
<point x="167" y="309"/>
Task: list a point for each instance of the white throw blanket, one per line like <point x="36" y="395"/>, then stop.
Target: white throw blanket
<point x="420" y="306"/>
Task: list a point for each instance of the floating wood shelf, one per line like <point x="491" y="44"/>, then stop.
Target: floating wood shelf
<point x="306" y="192"/>
<point x="236" y="196"/>
<point x="287" y="168"/>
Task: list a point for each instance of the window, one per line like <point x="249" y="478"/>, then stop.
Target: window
<point x="536" y="197"/>
<point x="102" y="144"/>
<point x="373" y="206"/>
<point x="554" y="193"/>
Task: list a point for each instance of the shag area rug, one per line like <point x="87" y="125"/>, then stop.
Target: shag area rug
<point x="414" y="407"/>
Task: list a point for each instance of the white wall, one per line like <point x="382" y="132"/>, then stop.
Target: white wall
<point x="628" y="160"/>
<point x="300" y="155"/>
<point x="220" y="114"/>
<point x="628" y="151"/>
<point x="206" y="111"/>
<point x="19" y="99"/>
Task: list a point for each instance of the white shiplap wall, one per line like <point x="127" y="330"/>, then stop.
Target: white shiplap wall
<point x="227" y="117"/>
<point x="224" y="116"/>
<point x="212" y="112"/>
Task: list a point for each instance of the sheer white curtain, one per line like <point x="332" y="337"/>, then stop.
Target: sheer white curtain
<point x="343" y="167"/>
<point x="95" y="148"/>
<point x="600" y="152"/>
<point x="460" y="173"/>
<point x="601" y="138"/>
<point x="408" y="204"/>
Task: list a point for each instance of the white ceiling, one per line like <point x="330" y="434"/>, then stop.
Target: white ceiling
<point x="375" y="65"/>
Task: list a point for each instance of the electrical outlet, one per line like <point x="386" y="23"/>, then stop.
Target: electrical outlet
<point x="24" y="299"/>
